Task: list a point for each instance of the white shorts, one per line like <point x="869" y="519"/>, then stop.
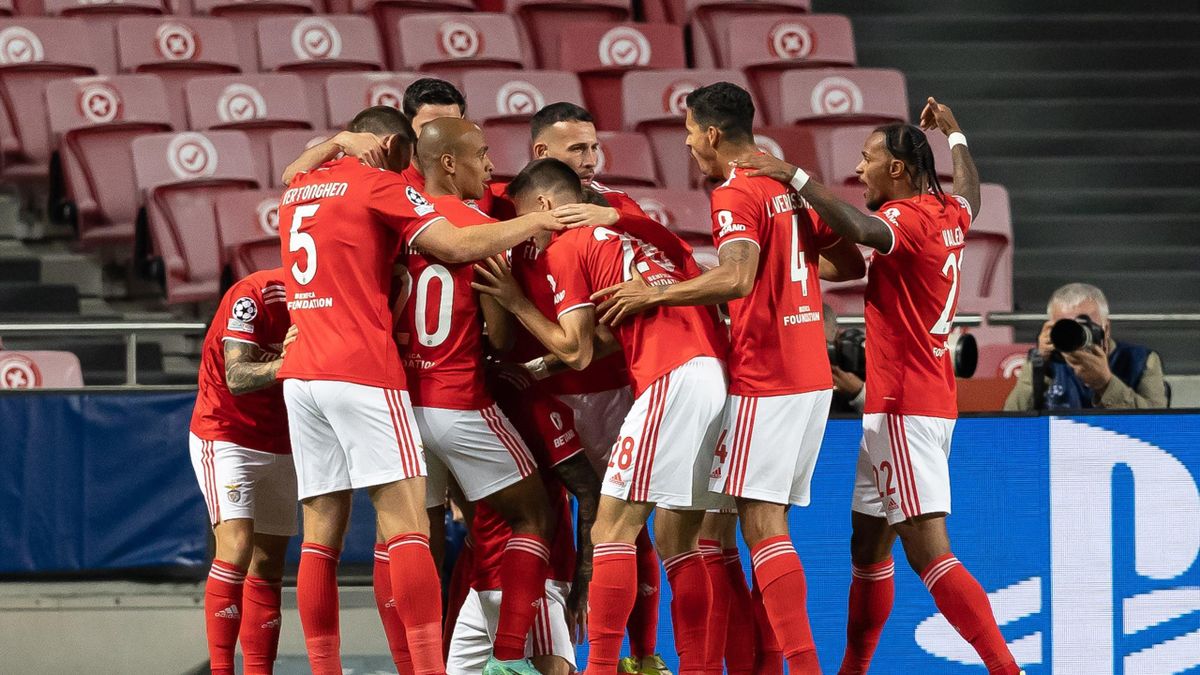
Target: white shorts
<point x="480" y="447"/>
<point x="598" y="418"/>
<point x="239" y="482"/>
<point x="903" y="467"/>
<point x="348" y="436"/>
<point x="475" y="630"/>
<point x="664" y="453"/>
<point x="769" y="446"/>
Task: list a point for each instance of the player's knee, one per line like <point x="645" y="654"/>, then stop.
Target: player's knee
<point x="761" y="520"/>
<point x="235" y="542"/>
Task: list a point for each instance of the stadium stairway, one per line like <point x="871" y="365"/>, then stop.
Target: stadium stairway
<point x="1089" y="113"/>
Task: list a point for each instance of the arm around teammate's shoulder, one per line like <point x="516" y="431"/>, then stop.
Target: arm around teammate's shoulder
<point x="453" y="244"/>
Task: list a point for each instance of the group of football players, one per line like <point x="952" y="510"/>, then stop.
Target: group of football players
<point x="434" y="336"/>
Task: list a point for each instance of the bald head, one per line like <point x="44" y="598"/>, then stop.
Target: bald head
<point x="454" y="149"/>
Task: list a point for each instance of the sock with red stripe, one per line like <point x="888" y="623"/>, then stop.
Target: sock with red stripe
<point x="460" y="587"/>
<point x="963" y="602"/>
<point x="261" y="622"/>
<point x="691" y="603"/>
<point x="393" y="628"/>
<point x="785" y="596"/>
<point x="416" y="589"/>
<point x="317" y="600"/>
<point x="739" y="651"/>
<point x="643" y="620"/>
<point x="523" y="571"/>
<point x="718" y="615"/>
<point x="769" y="659"/>
<point x="223" y="613"/>
<point x="872" y="589"/>
<point x="610" y="599"/>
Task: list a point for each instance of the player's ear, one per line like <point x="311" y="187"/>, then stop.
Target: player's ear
<point x="714" y="136"/>
<point x="545" y="203"/>
<point x="447" y="162"/>
<point x="896" y="169"/>
<point x="540" y="150"/>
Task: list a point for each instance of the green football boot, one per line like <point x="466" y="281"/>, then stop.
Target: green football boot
<point x="520" y="667"/>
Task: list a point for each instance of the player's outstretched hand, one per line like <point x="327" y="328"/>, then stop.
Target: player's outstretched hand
<point x="937" y="116"/>
<point x="366" y="147"/>
<point x="288" y="339"/>
<point x="770" y="166"/>
<point x="577" y="614"/>
<point x="496" y="280"/>
<point x="625" y="300"/>
<point x="578" y="215"/>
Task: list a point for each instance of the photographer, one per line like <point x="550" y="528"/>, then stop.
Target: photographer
<point x="1087" y="368"/>
<point x="847" y="359"/>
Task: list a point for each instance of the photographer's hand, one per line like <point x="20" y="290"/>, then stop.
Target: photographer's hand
<point x="1091" y="367"/>
<point x="1045" y="346"/>
<point x="846" y="384"/>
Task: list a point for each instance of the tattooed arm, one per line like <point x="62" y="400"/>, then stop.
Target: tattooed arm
<point x="581" y="480"/>
<point x="249" y="367"/>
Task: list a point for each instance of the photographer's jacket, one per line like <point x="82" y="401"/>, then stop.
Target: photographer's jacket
<point x="1137" y="382"/>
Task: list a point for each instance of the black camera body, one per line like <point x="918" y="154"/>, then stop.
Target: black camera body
<point x="1071" y="335"/>
<point x="848" y="351"/>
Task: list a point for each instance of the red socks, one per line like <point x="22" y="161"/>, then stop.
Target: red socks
<point x="643" y="620"/>
<point x="223" y="613"/>
<point x="523" y="573"/>
<point x="872" y="588"/>
<point x="261" y="622"/>
<point x="718" y="615"/>
<point x="781" y="577"/>
<point x="965" y="605"/>
<point x="769" y="659"/>
<point x="691" y="602"/>
<point x="739" y="651"/>
<point x="610" y="600"/>
<point x="317" y="600"/>
<point x="393" y="628"/>
<point x="417" y="592"/>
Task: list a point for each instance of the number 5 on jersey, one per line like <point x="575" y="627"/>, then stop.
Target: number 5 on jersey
<point x="302" y="241"/>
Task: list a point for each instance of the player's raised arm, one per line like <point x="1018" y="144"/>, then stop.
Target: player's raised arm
<point x="445" y="240"/>
<point x="366" y="147"/>
<point x="966" y="175"/>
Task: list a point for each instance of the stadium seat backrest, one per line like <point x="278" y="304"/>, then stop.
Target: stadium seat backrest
<point x="684" y="212"/>
<point x="248" y="217"/>
<point x="795" y="144"/>
<point x="447" y="43"/>
<point x="626" y="159"/>
<point x="348" y="93"/>
<point x="95" y="120"/>
<point x="244" y="13"/>
<point x="287" y="144"/>
<point x="33" y="52"/>
<point x="838" y="96"/>
<point x="39" y="370"/>
<point x="509" y="149"/>
<point x="387" y="15"/>
<point x="516" y="96"/>
<point x="191" y="158"/>
<point x="6" y="8"/>
<point x="789" y="41"/>
<point x="84" y="8"/>
<point x="549" y="22"/>
<point x="987" y="270"/>
<point x="1005" y="360"/>
<point x="709" y="21"/>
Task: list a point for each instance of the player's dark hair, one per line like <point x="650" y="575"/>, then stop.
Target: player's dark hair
<point x="382" y="120"/>
<point x="909" y="144"/>
<point x="590" y="196"/>
<point x="555" y="113"/>
<point x="546" y="175"/>
<point x="432" y="91"/>
<point x="726" y="106"/>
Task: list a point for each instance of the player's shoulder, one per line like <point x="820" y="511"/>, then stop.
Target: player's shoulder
<point x="606" y="190"/>
<point x="739" y="185"/>
<point x="263" y="286"/>
<point x="461" y="212"/>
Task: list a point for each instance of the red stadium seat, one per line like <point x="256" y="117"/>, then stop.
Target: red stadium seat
<point x="548" y="21"/>
<point x="509" y="149"/>
<point x="987" y="273"/>
<point x="35" y="52"/>
<point x="314" y="47"/>
<point x="248" y="222"/>
<point x="601" y="53"/>
<point x="447" y="44"/>
<point x="176" y="49"/>
<point x="387" y="15"/>
<point x="837" y="96"/>
<point x="684" y="212"/>
<point x="257" y="104"/>
<point x="1004" y="360"/>
<point x="655" y="104"/>
<point x="348" y="93"/>
<point x="95" y="119"/>
<point x="709" y="22"/>
<point x="767" y="45"/>
<point x="840" y="150"/>
<point x="286" y="146"/>
<point x="795" y="144"/>
<point x="182" y="176"/>
<point x="39" y="370"/>
<point x="102" y="19"/>
<point x="503" y="98"/>
<point x="626" y="159"/>
<point x="244" y="15"/>
<point x="6" y="8"/>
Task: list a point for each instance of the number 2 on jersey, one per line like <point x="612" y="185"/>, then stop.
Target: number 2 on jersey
<point x="952" y="268"/>
<point x="302" y="241"/>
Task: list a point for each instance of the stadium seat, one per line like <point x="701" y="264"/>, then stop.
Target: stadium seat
<point x="838" y="96"/>
<point x="601" y="53"/>
<point x="287" y="144"/>
<point x="1003" y="360"/>
<point x="684" y="212"/>
<point x="708" y="22"/>
<point x="248" y="223"/>
<point x="102" y="19"/>
<point x="348" y="93"/>
<point x="176" y="49"/>
<point x="765" y="46"/>
<point x="500" y="98"/>
<point x="387" y="15"/>
<point x="509" y="149"/>
<point x="626" y="159"/>
<point x="257" y="104"/>
<point x="840" y="150"/>
<point x="655" y="104"/>
<point x="94" y="119"/>
<point x="244" y="15"/>
<point x="987" y="272"/>
<point x="445" y="45"/>
<point x="35" y="52"/>
<point x="314" y="47"/>
<point x="547" y="21"/>
<point x="795" y="144"/>
<point x="181" y="176"/>
<point x="39" y="370"/>
<point x="6" y="8"/>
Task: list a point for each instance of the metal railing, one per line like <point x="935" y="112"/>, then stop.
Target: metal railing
<point x="1017" y="318"/>
<point x="128" y="329"/>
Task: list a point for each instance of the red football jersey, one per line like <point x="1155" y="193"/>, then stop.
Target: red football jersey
<point x="779" y="329"/>
<point x="412" y="176"/>
<point x="587" y="259"/>
<point x="440" y="327"/>
<point x="912" y="295"/>
<point x="619" y="200"/>
<point x="342" y="226"/>
<point x="253" y="310"/>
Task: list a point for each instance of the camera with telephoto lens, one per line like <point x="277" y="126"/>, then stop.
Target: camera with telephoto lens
<point x="848" y="351"/>
<point x="1071" y="335"/>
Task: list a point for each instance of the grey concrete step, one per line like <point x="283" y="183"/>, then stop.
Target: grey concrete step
<point x="1072" y="114"/>
<point x="991" y="56"/>
<point x="1102" y="200"/>
<point x="1041" y="83"/>
<point x="1103" y="257"/>
<point x="995" y="143"/>
<point x="1128" y="171"/>
<point x="1120" y="230"/>
<point x="1048" y="25"/>
<point x="1142" y="290"/>
<point x="936" y="8"/>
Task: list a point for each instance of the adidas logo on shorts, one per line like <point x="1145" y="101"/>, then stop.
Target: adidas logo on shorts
<point x="617" y="480"/>
<point x="230" y="612"/>
<point x="716" y="473"/>
<point x="892" y="505"/>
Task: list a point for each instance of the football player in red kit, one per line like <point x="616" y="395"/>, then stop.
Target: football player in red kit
<point x="903" y="482"/>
